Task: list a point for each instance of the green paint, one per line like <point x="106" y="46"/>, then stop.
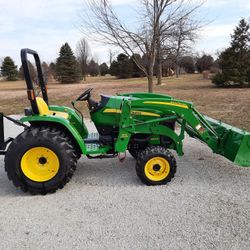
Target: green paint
<point x="134" y="113"/>
<point x="73" y="124"/>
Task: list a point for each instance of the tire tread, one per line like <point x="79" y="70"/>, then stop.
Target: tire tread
<point x="39" y="133"/>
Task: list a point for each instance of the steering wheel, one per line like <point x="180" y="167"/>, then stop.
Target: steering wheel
<point x="85" y="95"/>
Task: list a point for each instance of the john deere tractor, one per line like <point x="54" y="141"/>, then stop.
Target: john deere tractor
<point x="43" y="158"/>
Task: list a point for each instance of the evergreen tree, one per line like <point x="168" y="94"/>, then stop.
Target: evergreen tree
<point x="67" y="67"/>
<point x="204" y="63"/>
<point x="93" y="68"/>
<point x="235" y="60"/>
<point x="136" y="72"/>
<point x="123" y="67"/>
<point x="9" y="69"/>
<point x="52" y="70"/>
<point x="104" y="69"/>
<point x="114" y="68"/>
<point x="187" y="63"/>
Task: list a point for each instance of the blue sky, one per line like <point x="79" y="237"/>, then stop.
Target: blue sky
<point x="44" y="25"/>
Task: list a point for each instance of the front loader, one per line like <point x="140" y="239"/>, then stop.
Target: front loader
<point x="44" y="157"/>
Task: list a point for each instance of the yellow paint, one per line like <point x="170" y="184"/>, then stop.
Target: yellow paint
<point x="42" y="106"/>
<point x="124" y="136"/>
<point x="154" y="139"/>
<point x="117" y="111"/>
<point x="133" y="112"/>
<point x="44" y="109"/>
<point x="40" y="164"/>
<point x="157" y="174"/>
<point x="175" y="104"/>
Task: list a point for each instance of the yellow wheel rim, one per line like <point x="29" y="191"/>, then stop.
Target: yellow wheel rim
<point x="157" y="169"/>
<point x="40" y="164"/>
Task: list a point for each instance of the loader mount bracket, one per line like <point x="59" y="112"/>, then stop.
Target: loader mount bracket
<point x="4" y="143"/>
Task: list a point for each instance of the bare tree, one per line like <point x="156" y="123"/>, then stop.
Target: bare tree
<point x="184" y="37"/>
<point x="158" y="17"/>
<point x="1" y="62"/>
<point x="45" y="68"/>
<point x="178" y="39"/>
<point x="82" y="54"/>
<point x="111" y="56"/>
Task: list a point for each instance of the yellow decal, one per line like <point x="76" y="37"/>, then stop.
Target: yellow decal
<point x="175" y="104"/>
<point x="133" y="112"/>
<point x="137" y="112"/>
<point x="154" y="139"/>
<point x="117" y="111"/>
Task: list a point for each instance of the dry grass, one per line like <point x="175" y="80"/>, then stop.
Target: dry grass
<point x="229" y="105"/>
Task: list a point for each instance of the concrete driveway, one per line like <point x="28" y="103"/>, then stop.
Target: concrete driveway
<point x="105" y="206"/>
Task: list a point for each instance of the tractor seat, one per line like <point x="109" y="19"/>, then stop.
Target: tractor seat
<point x="44" y="109"/>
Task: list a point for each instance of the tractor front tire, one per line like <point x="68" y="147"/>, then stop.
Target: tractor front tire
<point x="134" y="152"/>
<point x="40" y="160"/>
<point x="155" y="166"/>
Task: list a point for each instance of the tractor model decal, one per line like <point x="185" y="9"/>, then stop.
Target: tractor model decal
<point x="133" y="112"/>
<point x="175" y="104"/>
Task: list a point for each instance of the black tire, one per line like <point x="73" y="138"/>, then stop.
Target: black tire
<point x="163" y="155"/>
<point x="51" y="138"/>
<point x="137" y="143"/>
<point x="134" y="152"/>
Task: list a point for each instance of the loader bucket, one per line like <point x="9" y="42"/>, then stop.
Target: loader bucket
<point x="234" y="143"/>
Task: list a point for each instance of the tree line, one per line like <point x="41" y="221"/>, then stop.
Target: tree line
<point x="232" y="67"/>
<point x="125" y="67"/>
<point x="67" y="68"/>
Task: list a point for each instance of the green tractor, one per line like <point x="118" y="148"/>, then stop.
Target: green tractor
<point x="44" y="157"/>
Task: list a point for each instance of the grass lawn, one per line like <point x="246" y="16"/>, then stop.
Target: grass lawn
<point x="229" y="105"/>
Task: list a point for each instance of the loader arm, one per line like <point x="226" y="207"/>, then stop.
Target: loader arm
<point x="218" y="136"/>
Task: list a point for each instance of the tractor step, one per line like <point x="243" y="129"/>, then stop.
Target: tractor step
<point x="93" y="138"/>
<point x="98" y="150"/>
<point x="98" y="145"/>
<point x="92" y="147"/>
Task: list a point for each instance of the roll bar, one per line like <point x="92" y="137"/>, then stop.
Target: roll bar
<point x="1" y="130"/>
<point x="29" y="83"/>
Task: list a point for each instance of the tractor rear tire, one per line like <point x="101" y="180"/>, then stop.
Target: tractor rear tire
<point x="155" y="166"/>
<point x="40" y="160"/>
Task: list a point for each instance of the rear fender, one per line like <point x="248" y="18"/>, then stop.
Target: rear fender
<point x="59" y="121"/>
